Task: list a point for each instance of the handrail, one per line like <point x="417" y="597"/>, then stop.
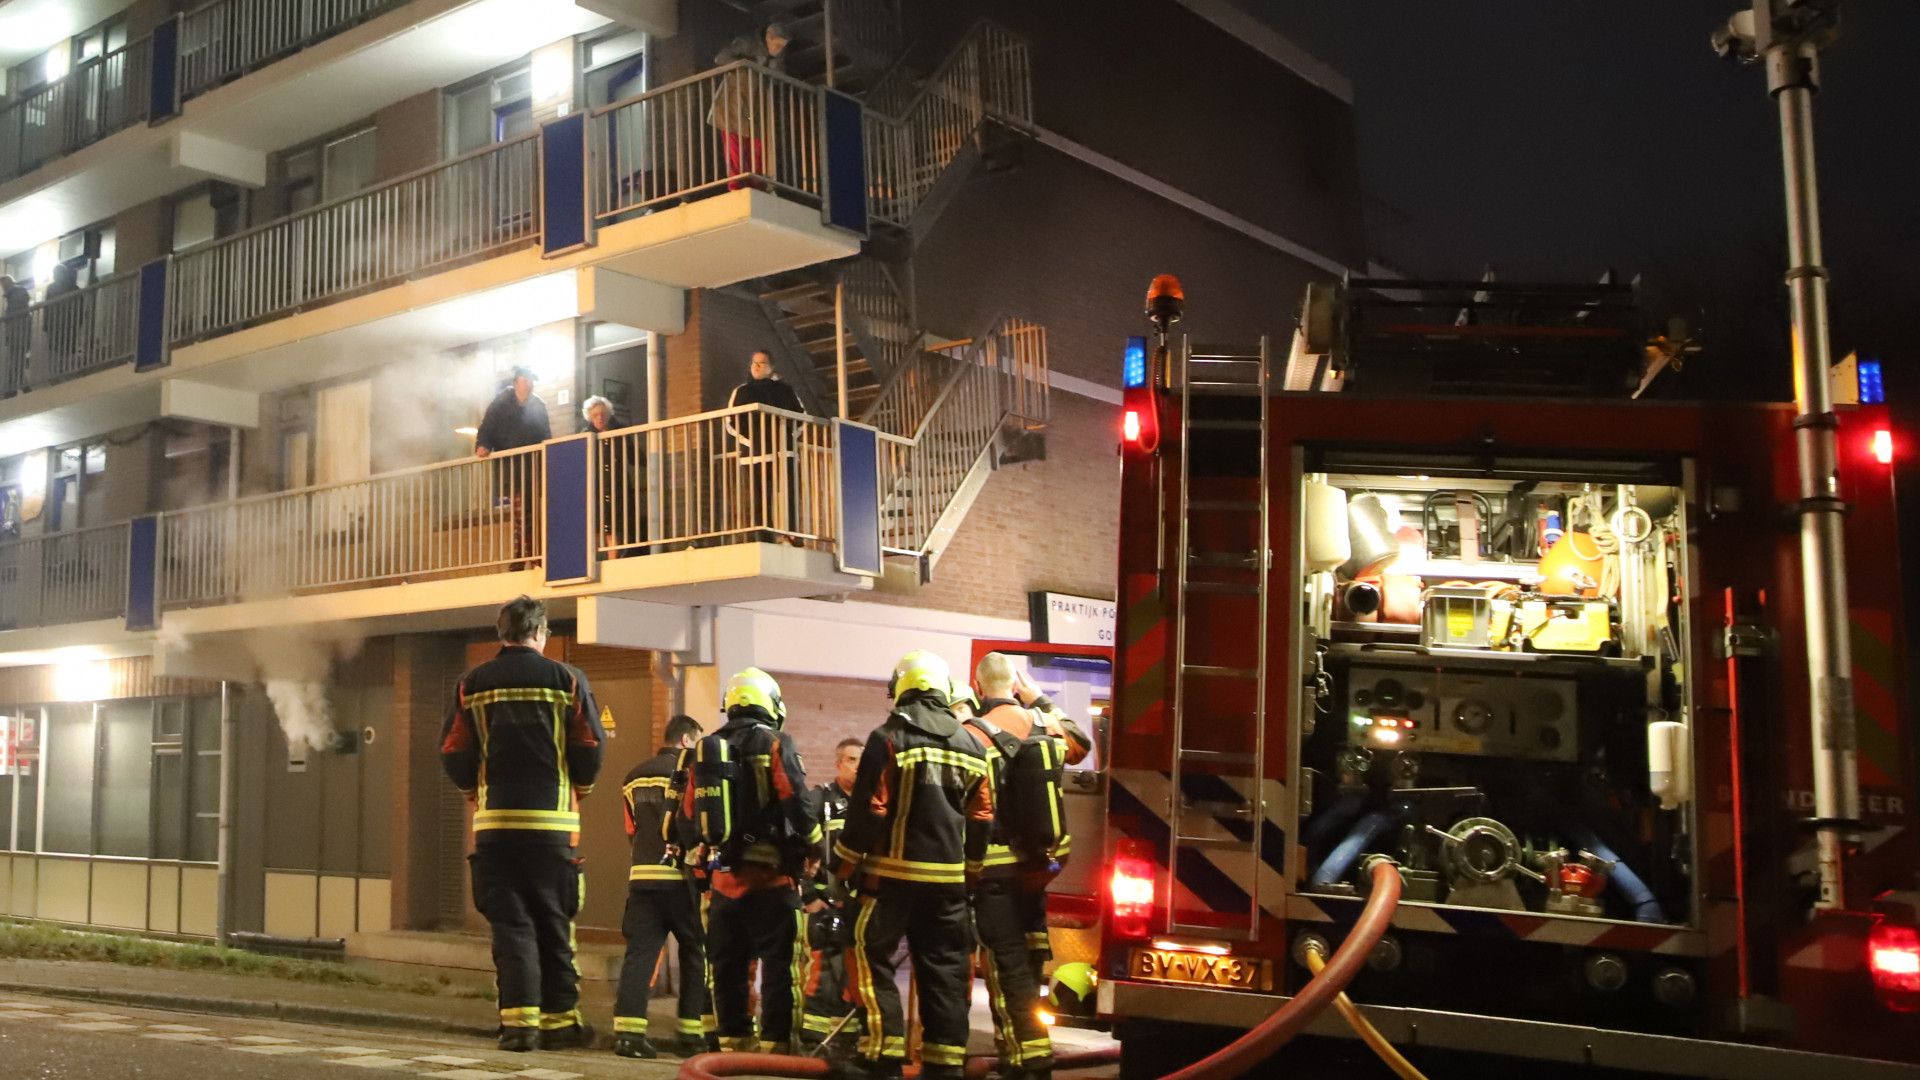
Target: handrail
<point x="63" y="577"/>
<point x="479" y="202"/>
<point x="736" y="125"/>
<point x="84" y="331"/>
<point x="94" y="99"/>
<point x="229" y="37"/>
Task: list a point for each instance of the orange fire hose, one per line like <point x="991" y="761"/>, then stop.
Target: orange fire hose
<point x="1233" y="1060"/>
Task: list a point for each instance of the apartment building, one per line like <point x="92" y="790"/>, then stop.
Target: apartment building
<point x="272" y="260"/>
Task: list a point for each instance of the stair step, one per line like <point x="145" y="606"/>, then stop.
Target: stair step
<point x="1224" y="389"/>
<point x="810" y="318"/>
<point x="796" y="292"/>
<point x="1238" y="560"/>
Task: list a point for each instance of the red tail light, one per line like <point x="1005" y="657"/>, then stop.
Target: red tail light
<point x="1131" y="893"/>
<point x="1882" y="446"/>
<point x="1893" y="958"/>
<point x="1130" y="427"/>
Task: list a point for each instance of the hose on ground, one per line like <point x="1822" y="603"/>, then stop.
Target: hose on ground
<point x="1364" y="1028"/>
<point x="1233" y="1060"/>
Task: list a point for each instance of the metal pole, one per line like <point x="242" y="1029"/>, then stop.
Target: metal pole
<point x="1792" y="77"/>
<point x="223" y="904"/>
<point x="840" y="342"/>
<point x="656" y="410"/>
<point x="826" y="31"/>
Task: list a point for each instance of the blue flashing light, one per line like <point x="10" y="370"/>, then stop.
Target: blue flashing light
<point x="1134" y="372"/>
<point x="1872" y="390"/>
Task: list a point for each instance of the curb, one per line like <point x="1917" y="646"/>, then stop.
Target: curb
<point x="259" y="1009"/>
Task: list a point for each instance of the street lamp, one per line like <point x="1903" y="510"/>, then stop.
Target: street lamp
<point x="1787" y="36"/>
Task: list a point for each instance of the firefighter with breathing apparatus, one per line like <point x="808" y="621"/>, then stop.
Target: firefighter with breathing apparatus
<point x="1028" y="744"/>
<point x="746" y="799"/>
<point x="661" y="900"/>
<point x="828" y="928"/>
<point x="913" y="847"/>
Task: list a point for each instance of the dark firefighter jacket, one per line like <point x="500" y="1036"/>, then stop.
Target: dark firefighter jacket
<point x="651" y="823"/>
<point x="523" y="736"/>
<point x="780" y="783"/>
<point x="1019" y="721"/>
<point x="830" y="804"/>
<point x="922" y="804"/>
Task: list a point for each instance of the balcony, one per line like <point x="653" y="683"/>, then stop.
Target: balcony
<point x="236" y="80"/>
<point x="607" y="215"/>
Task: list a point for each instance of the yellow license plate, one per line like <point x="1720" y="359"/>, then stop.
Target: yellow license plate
<point x="1201" y="969"/>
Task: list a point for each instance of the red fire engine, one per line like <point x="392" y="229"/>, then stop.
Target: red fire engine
<point x="1437" y="592"/>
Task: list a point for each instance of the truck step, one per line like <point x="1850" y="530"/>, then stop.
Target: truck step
<point x="1236" y="560"/>
<point x="1216" y="757"/>
<point x="1216" y="843"/>
<point x="1218" y="672"/>
<point x="1224" y="506"/>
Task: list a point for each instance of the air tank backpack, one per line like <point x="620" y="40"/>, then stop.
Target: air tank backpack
<point x="1032" y="807"/>
<point x="730" y="813"/>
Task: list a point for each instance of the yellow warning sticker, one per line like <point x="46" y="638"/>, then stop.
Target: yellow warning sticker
<point x="606" y="719"/>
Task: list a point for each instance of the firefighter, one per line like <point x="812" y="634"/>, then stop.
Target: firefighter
<point x="912" y="848"/>
<point x="524" y="742"/>
<point x="827" y="927"/>
<point x="753" y="907"/>
<point x="1010" y="907"/>
<point x="660" y="901"/>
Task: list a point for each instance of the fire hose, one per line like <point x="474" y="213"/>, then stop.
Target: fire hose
<point x="1327" y="986"/>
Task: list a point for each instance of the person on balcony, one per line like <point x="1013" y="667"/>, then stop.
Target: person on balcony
<point x="760" y="442"/>
<point x="623" y="478"/>
<point x="63" y="321"/>
<point x="14" y="335"/>
<point x="516" y="418"/>
<point x="741" y="110"/>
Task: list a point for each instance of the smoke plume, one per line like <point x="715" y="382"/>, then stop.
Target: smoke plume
<point x="294" y="665"/>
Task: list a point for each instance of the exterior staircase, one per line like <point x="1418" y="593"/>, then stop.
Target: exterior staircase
<point x="858" y="40"/>
<point x="878" y="330"/>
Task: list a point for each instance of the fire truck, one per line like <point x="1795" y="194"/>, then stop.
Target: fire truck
<point x="1437" y="588"/>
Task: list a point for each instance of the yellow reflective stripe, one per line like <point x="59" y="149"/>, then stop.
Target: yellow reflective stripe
<point x="842" y="851"/>
<point x="797" y="969"/>
<point x="644" y="872"/>
<point x="630" y="1025"/>
<point x="539" y="820"/>
<point x="872" y="1040"/>
<point x="560" y="757"/>
<point x="689" y="1025"/>
<point x="520" y="1018"/>
<point x="739" y="1043"/>
<point x="897" y="843"/>
<point x="1035" y="1049"/>
<point x="1000" y="855"/>
<point x="911" y="870"/>
<point x="556" y="1021"/>
<point x="520" y="693"/>
<point x="938" y="756"/>
<point x="942" y="1054"/>
<point x="1004" y="1034"/>
<point x="646" y="781"/>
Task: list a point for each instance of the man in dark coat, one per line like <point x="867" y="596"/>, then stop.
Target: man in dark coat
<point x="516" y="418"/>
<point x="765" y="447"/>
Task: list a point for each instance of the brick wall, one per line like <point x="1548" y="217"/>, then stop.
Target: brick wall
<point x="408" y="134"/>
<point x="424" y="670"/>
<point x="822" y="711"/>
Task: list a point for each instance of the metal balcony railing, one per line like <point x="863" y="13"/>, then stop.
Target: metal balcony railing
<point x="231" y="37"/>
<point x="725" y="128"/>
<point x="962" y="398"/>
<point x="988" y="76"/>
<point x="471" y="206"/>
<point x="85" y="331"/>
<point x="93" y="100"/>
<point x="737" y="475"/>
<point x="63" y="577"/>
<point x="452" y="519"/>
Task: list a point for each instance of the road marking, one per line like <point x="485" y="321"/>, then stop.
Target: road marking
<point x="350" y="1050"/>
<point x="263" y="1040"/>
<point x="464" y="1074"/>
<point x="180" y="1036"/>
<point x="447" y="1059"/>
<point x="273" y="1049"/>
<point x="547" y="1074"/>
<point x="370" y="1061"/>
<point x="96" y="1016"/>
<point x="101" y="1025"/>
<point x="174" y="1027"/>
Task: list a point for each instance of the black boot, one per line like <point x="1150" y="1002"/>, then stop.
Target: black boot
<point x="571" y="1037"/>
<point x="633" y="1045"/>
<point x="520" y="1040"/>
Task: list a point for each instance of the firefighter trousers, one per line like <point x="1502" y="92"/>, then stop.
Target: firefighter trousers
<point x="653" y="912"/>
<point x="826" y="1000"/>
<point x="764" y="925"/>
<point x="1003" y="918"/>
<point x="933" y="919"/>
<point x="529" y="891"/>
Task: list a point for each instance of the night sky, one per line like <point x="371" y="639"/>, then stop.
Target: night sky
<point x="1556" y="138"/>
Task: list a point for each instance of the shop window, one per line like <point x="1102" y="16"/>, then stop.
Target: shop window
<point x="71" y="760"/>
<point x="126" y="778"/>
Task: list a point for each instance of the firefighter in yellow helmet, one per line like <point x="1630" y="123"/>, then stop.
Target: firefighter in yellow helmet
<point x="912" y="848"/>
<point x="746" y="798"/>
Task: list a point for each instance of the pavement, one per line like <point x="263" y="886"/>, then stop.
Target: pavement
<point x="65" y="1018"/>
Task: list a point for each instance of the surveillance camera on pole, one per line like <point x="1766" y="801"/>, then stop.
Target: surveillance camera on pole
<point x="1787" y="36"/>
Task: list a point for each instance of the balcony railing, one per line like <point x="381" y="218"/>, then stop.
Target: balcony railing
<point x="725" y="128"/>
<point x="76" y="334"/>
<point x="93" y="100"/>
<point x="733" y="476"/>
<point x="465" y="208"/>
<point x="989" y="76"/>
<point x="445" y="520"/>
<point x="231" y="37"/>
<point x="63" y="577"/>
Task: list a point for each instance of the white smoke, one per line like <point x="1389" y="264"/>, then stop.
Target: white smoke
<point x="295" y="664"/>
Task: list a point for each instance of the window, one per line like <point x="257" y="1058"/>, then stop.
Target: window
<point x="194" y="221"/>
<point x="71" y="757"/>
<point x="347" y="165"/>
<point x="19" y="779"/>
<point x="494" y="109"/>
<point x="126" y="778"/>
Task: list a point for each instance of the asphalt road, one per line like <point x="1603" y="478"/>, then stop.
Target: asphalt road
<point x="54" y="1039"/>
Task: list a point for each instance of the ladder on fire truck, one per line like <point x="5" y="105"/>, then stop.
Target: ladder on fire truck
<point x="1212" y="746"/>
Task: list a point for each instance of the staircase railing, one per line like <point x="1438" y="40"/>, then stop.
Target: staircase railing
<point x="963" y="397"/>
<point x="879" y="318"/>
<point x="988" y="76"/>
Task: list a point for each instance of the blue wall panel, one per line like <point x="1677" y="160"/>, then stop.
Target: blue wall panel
<point x="857" y="506"/>
<point x="569" y="507"/>
<point x="163" y="73"/>
<point x="150" y="334"/>
<point x="843" y="130"/>
<point x="143" y="573"/>
<point x="563" y="186"/>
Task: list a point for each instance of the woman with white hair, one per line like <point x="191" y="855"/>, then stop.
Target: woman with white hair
<point x="623" y="478"/>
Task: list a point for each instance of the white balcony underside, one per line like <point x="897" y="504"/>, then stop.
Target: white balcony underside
<point x="101" y="639"/>
<point x="29" y="27"/>
<point x="715" y="241"/>
<point x="204" y="641"/>
<point x="420" y="46"/>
